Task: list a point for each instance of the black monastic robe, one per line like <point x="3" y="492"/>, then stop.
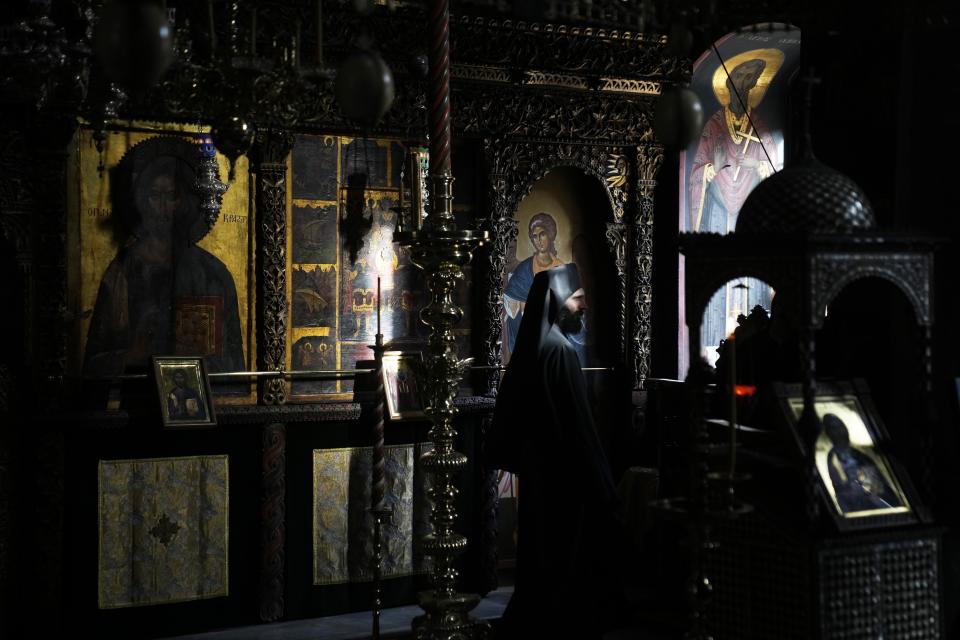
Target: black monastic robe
<point x="568" y="533"/>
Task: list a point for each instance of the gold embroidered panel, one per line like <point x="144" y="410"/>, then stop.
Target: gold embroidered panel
<point x="163" y="530"/>
<point x="342" y="525"/>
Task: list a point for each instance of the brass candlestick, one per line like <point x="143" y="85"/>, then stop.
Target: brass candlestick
<point x="442" y="251"/>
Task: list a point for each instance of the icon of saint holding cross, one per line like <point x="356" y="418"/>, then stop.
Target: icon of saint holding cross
<point x="736" y="150"/>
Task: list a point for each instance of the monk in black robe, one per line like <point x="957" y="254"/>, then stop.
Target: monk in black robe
<point x="568" y="533"/>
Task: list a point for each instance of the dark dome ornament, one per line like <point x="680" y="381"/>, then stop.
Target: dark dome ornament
<point x="133" y="42"/>
<point x="364" y="87"/>
<point x="806" y="196"/>
<point x="678" y="117"/>
<point x="233" y="137"/>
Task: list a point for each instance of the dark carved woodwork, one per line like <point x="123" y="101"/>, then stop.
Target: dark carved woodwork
<point x="514" y="166"/>
<point x="574" y="84"/>
<point x="617" y="243"/>
<point x="780" y="272"/>
<point x="912" y="273"/>
<point x="831" y="262"/>
<point x="407" y="117"/>
<point x="239" y="414"/>
<point x="855" y="586"/>
<point x="502" y="232"/>
<point x="522" y="163"/>
<point x="272" y="92"/>
<point x="649" y="159"/>
<point x="551" y="115"/>
<point x="270" y="166"/>
<point x="878" y="590"/>
<point x="273" y="513"/>
<point x="516" y="44"/>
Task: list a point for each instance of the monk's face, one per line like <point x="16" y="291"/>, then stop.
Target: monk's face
<point x="577" y="303"/>
<point x="571" y="316"/>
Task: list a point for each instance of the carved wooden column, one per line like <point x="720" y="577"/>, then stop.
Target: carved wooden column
<point x="270" y="165"/>
<point x="649" y="159"/>
<point x="502" y="228"/>
<point x="273" y="513"/>
<point x="616" y="236"/>
<point x="503" y="231"/>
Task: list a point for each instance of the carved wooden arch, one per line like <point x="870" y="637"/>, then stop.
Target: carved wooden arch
<point x="705" y="278"/>
<point x="911" y="273"/>
<point x="514" y="167"/>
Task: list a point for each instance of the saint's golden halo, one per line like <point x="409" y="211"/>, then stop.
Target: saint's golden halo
<point x="773" y="59"/>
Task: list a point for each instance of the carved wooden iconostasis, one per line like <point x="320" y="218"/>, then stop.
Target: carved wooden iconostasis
<point x="547" y="119"/>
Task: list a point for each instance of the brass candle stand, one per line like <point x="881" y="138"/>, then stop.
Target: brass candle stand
<point x="441" y="250"/>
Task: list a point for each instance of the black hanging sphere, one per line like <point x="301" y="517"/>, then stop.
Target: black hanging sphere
<point x="364" y="87"/>
<point x="678" y="117"/>
<point x="133" y="43"/>
<point x="233" y="138"/>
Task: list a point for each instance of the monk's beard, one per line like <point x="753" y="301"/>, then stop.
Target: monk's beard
<point x="570" y="323"/>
